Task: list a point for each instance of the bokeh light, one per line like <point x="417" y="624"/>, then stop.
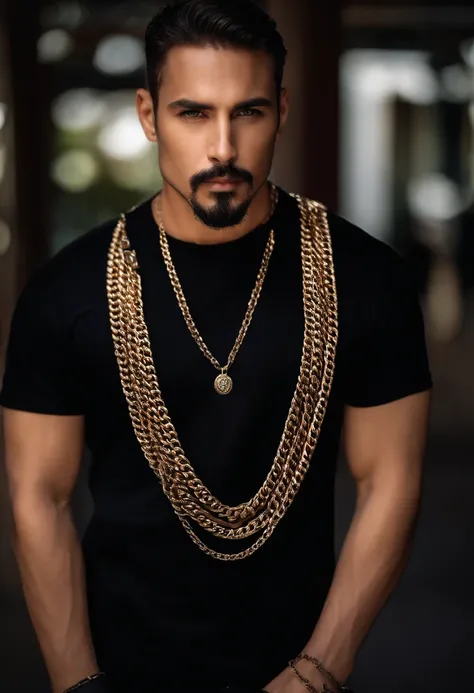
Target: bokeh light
<point x="416" y="83"/>
<point x="122" y="136"/>
<point x="435" y="197"/>
<point x="141" y="175"/>
<point x="119" y="55"/>
<point x="5" y="237"/>
<point x="67" y="15"/>
<point x="54" y="46"/>
<point x="75" y="170"/>
<point x="3" y="114"/>
<point x="457" y="83"/>
<point x="78" y="110"/>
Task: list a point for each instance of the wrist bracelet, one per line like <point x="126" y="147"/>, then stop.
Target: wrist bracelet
<point x="319" y="666"/>
<point x="85" y="682"/>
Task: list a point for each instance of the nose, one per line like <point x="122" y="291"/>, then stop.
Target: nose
<point x="222" y="147"/>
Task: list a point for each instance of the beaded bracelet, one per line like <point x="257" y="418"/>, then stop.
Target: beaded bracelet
<point x="84" y="682"/>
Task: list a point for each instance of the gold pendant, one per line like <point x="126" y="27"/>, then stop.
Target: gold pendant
<point x="223" y="384"/>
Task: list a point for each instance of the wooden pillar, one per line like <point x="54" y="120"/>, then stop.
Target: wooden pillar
<point x="307" y="159"/>
<point x="25" y="186"/>
<point x="30" y="104"/>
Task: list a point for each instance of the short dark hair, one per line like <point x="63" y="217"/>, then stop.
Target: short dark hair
<point x="223" y="23"/>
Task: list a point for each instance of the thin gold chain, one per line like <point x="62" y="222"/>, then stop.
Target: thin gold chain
<point x="192" y="501"/>
<point x="183" y="304"/>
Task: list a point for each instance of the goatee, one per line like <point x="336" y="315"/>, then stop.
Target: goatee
<point x="223" y="214"/>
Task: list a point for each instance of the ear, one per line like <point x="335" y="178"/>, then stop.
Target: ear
<point x="146" y="114"/>
<point x="284" y="109"/>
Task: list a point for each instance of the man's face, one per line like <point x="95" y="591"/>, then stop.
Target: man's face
<point x="217" y="123"/>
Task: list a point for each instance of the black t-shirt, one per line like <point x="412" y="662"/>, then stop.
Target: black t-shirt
<point x="161" y="610"/>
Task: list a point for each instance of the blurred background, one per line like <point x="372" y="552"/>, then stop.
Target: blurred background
<point x="382" y="131"/>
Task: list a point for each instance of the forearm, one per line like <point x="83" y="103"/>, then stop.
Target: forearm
<point x="51" y="566"/>
<point x="371" y="562"/>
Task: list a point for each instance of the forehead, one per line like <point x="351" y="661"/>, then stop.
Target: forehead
<point x="215" y="74"/>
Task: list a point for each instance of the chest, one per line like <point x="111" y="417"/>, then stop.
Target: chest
<point x="223" y="435"/>
<point x="231" y="440"/>
<point x="218" y="298"/>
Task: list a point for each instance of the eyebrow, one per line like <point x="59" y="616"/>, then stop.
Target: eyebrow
<point x="257" y="102"/>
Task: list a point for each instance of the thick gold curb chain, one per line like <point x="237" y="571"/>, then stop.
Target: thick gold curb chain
<point x="191" y="500"/>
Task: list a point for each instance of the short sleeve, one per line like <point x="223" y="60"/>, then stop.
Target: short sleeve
<point x="390" y="360"/>
<point x="41" y="371"/>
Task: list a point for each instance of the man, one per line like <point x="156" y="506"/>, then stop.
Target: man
<point x="208" y="347"/>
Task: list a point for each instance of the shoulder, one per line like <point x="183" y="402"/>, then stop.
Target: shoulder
<point x="71" y="278"/>
<point x="362" y="262"/>
<point x="377" y="293"/>
<point x="78" y="260"/>
<point x="363" y="252"/>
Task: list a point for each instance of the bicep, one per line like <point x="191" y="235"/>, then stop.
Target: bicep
<point x="43" y="454"/>
<point x="387" y="442"/>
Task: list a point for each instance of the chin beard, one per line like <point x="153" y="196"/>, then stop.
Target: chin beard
<point x="223" y="214"/>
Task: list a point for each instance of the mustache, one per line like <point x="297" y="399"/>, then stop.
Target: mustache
<point x="220" y="171"/>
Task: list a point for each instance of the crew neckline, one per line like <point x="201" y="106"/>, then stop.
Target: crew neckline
<point x="230" y="246"/>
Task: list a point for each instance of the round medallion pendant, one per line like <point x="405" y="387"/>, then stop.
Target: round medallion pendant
<point x="223" y="384"/>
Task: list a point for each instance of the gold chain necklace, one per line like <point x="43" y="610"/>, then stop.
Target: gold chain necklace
<point x="223" y="383"/>
<point x="191" y="500"/>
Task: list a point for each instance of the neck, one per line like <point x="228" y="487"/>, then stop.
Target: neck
<point x="179" y="220"/>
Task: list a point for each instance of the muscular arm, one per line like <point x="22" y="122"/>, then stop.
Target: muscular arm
<point x="43" y="455"/>
<point x="385" y="447"/>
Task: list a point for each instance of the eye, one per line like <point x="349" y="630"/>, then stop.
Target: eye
<point x="249" y="112"/>
<point x="191" y="115"/>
